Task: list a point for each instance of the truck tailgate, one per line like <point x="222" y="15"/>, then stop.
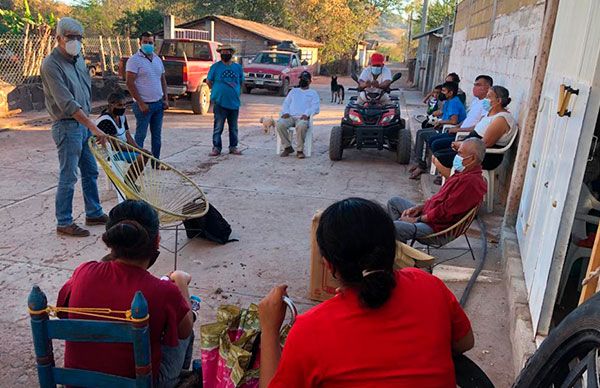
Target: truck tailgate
<point x="174" y="72"/>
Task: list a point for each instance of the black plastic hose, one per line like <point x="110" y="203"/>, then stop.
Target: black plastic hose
<point x="475" y="275"/>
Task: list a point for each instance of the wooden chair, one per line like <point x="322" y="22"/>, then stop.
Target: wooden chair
<point x="132" y="328"/>
<point x="439" y="239"/>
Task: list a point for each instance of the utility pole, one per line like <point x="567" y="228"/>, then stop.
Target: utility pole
<point x="420" y="53"/>
<point x="407" y="52"/>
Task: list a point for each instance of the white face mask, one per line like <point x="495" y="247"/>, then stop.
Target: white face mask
<point x="73" y="47"/>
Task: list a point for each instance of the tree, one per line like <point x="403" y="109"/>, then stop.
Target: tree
<point x="437" y="13"/>
<point x="98" y="16"/>
<point x="133" y="23"/>
<point x="338" y="24"/>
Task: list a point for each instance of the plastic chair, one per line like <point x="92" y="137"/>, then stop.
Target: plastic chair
<point x="44" y="329"/>
<point x="439" y="239"/>
<point x="307" y="140"/>
<point x="575" y="251"/>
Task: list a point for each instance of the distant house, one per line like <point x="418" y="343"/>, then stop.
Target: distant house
<point x="250" y="37"/>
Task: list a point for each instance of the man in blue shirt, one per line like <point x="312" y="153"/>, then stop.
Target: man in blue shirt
<point x="453" y="111"/>
<point x="225" y="78"/>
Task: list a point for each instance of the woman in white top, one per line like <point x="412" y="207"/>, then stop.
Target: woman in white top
<point x="113" y="122"/>
<point x="496" y="129"/>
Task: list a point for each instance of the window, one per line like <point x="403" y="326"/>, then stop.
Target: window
<point x="272" y="59"/>
<point x="192" y="50"/>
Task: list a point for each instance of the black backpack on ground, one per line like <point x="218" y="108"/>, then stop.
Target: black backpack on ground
<point x="212" y="226"/>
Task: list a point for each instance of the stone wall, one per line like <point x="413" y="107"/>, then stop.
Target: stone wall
<point x="499" y="38"/>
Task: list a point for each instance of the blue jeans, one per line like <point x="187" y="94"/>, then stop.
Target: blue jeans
<point x="441" y="142"/>
<point x="222" y="114"/>
<point x="174" y="359"/>
<point x="154" y="118"/>
<point x="71" y="138"/>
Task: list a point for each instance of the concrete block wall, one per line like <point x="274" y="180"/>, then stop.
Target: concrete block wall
<point x="507" y="54"/>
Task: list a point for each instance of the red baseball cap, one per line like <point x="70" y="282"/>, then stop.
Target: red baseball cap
<point x="377" y="59"/>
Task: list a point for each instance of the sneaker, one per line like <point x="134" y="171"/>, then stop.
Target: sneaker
<point x="215" y="152"/>
<point x="73" y="230"/>
<point x="91" y="221"/>
<point x="234" y="151"/>
<point x="287" y="151"/>
<point x="300" y="155"/>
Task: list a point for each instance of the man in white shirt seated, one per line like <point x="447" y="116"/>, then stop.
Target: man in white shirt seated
<point x="298" y="107"/>
<point x="377" y="76"/>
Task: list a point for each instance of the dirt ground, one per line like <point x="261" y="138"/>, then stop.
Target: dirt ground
<point x="268" y="200"/>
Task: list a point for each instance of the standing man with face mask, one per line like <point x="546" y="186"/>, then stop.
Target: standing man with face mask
<point x="298" y="107"/>
<point x="68" y="91"/>
<point x="147" y="85"/>
<point x="376" y="76"/>
<point x="225" y="78"/>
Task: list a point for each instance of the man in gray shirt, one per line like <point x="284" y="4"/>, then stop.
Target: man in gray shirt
<point x="67" y="90"/>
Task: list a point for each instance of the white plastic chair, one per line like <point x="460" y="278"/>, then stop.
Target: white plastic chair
<point x="307" y="140"/>
<point x="586" y="203"/>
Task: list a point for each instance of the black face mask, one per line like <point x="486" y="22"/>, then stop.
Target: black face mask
<point x="442" y="97"/>
<point x="118" y="111"/>
<point x="225" y="57"/>
<point x="303" y="83"/>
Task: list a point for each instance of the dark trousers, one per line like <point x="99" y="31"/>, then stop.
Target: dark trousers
<point x="231" y="115"/>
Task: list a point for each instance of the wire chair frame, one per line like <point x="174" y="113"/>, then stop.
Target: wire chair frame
<point x="175" y="196"/>
<point x="439" y="239"/>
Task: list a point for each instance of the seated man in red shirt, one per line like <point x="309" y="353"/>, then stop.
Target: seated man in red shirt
<point x="462" y="192"/>
<point x="132" y="235"/>
<point x="385" y="327"/>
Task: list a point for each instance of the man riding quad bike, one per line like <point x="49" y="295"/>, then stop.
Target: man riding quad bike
<point x="372" y="119"/>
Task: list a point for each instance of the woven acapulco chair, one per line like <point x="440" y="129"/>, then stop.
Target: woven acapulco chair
<point x="140" y="176"/>
<point x="439" y="239"/>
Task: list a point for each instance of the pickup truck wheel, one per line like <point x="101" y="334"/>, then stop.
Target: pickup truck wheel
<point x="201" y="100"/>
<point x="284" y="88"/>
<point x="247" y="89"/>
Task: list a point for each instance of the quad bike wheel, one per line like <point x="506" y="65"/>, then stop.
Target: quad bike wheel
<point x="403" y="147"/>
<point x="569" y="356"/>
<point x="336" y="146"/>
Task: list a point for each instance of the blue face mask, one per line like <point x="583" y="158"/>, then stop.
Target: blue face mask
<point x="376" y="70"/>
<point x="458" y="163"/>
<point x="147" y="48"/>
<point x="486" y="104"/>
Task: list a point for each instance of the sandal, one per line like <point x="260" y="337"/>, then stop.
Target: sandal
<point x="416" y="174"/>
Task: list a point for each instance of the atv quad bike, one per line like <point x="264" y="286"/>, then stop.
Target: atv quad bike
<point x="372" y="125"/>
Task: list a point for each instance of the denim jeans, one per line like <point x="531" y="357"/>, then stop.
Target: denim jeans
<point x="174" y="359"/>
<point x="441" y="142"/>
<point x="222" y="114"/>
<point x="406" y="231"/>
<point x="71" y="138"/>
<point x="154" y="118"/>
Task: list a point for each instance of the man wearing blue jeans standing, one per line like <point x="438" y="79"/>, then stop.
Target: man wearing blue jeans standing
<point x="225" y="78"/>
<point x="67" y="91"/>
<point x="147" y="85"/>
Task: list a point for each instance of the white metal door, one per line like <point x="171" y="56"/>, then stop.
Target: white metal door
<point x="555" y="144"/>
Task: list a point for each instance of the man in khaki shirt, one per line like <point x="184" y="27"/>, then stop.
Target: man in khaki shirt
<point x="67" y="92"/>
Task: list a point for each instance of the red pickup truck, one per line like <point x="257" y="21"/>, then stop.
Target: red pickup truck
<point x="186" y="62"/>
<point x="274" y="70"/>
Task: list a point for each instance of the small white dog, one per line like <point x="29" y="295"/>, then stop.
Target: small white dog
<point x="268" y="124"/>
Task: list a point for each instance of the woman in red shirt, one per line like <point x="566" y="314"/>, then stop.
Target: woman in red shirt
<point x="384" y="328"/>
<point x="132" y="235"/>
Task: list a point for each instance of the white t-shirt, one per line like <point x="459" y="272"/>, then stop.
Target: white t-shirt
<point x="301" y="102"/>
<point x="367" y="75"/>
<point x="474" y="114"/>
<point x="485" y="122"/>
<point x="148" y="76"/>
